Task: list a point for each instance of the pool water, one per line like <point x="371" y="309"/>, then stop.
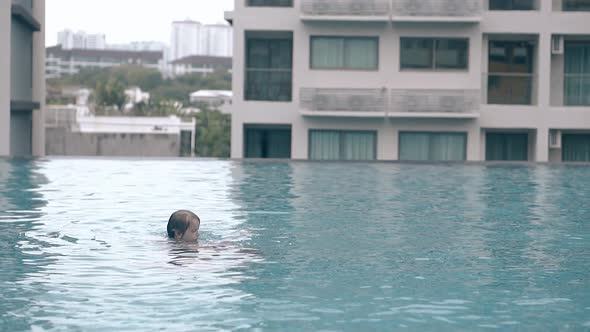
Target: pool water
<point x="293" y="246"/>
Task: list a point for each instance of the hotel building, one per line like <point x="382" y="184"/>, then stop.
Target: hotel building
<point x="22" y="77"/>
<point x="412" y="80"/>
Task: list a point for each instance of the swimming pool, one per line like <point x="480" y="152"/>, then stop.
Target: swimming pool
<point x="293" y="246"/>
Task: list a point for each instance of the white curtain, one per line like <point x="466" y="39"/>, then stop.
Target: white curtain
<point x="360" y="53"/>
<point x="433" y="147"/>
<point x="341" y="145"/>
<point x="324" y="145"/>
<point x="359" y="146"/>
<point x="327" y="53"/>
<point x="577" y="74"/>
<point x="414" y="146"/>
<point x="344" y="53"/>
<point x="447" y="147"/>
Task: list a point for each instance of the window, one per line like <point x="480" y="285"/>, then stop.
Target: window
<point x="357" y="53"/>
<point x="576" y="147"/>
<point x="434" y="53"/>
<point x="267" y="142"/>
<point x="576" y="5"/>
<point x="510" y="78"/>
<point x="269" y="3"/>
<point x="507" y="147"/>
<point x="416" y="146"/>
<point x="342" y="145"/>
<point x="513" y="4"/>
<point x="269" y="66"/>
<point x="21" y="62"/>
<point x="577" y="73"/>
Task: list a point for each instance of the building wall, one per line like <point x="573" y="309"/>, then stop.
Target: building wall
<point x="62" y="142"/>
<point x="539" y="118"/>
<point x="39" y="80"/>
<point x="22" y="80"/>
<point x="5" y="23"/>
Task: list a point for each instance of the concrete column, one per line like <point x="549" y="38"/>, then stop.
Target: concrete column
<point x="473" y="143"/>
<point x="544" y="71"/>
<point x="39" y="80"/>
<point x="299" y="141"/>
<point x="5" y="24"/>
<point x="237" y="136"/>
<point x="388" y="142"/>
<point x="542" y="149"/>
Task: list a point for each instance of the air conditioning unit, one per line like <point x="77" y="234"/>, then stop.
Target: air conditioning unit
<point x="555" y="139"/>
<point x="557" y="44"/>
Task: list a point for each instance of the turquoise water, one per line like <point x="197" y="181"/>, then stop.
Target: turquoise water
<point x="293" y="247"/>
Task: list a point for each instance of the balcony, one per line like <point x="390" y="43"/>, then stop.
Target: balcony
<point x="452" y="11"/>
<point x="453" y="104"/>
<point x="345" y="10"/>
<point x="344" y="102"/>
<point x="460" y="104"/>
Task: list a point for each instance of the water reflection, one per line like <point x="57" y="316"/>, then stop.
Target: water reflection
<point x="20" y="255"/>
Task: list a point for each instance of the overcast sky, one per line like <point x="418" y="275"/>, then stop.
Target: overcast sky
<point x="123" y="21"/>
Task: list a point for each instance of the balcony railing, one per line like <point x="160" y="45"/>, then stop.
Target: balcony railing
<point x="435" y="101"/>
<point x="437" y="8"/>
<point x="355" y="8"/>
<point x="394" y="103"/>
<point x="347" y="100"/>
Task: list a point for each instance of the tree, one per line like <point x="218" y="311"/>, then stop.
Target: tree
<point x="213" y="134"/>
<point x="110" y="94"/>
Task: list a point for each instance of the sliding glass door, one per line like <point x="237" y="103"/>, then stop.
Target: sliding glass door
<point x="342" y="145"/>
<point x="420" y="146"/>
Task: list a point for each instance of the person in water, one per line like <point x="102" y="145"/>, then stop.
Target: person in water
<point x="184" y="225"/>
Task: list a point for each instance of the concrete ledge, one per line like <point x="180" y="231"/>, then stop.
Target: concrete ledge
<point x="344" y="18"/>
<point x="19" y="105"/>
<point x="24" y="15"/>
<point x="436" y="19"/>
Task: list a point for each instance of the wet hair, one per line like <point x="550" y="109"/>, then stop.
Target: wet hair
<point x="180" y="221"/>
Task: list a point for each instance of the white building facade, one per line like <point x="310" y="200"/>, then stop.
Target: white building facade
<point x="185" y="39"/>
<point x="193" y="38"/>
<point x="69" y="39"/>
<point x="430" y="80"/>
<point x="219" y="39"/>
<point x="22" y="82"/>
<point x="61" y="61"/>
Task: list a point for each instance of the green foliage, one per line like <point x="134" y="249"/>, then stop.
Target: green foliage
<point x="110" y="94"/>
<point x="148" y="80"/>
<point x="213" y="134"/>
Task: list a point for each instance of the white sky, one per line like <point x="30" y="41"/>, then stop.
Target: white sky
<point x="124" y="21"/>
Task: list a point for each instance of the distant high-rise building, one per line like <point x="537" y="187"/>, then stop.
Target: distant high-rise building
<point x="219" y="40"/>
<point x="80" y="40"/>
<point x="185" y="39"/>
<point x="193" y="38"/>
<point x="96" y="42"/>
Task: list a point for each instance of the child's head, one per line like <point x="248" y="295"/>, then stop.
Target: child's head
<point x="184" y="225"/>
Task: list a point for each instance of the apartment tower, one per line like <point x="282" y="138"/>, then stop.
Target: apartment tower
<point x="412" y="80"/>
